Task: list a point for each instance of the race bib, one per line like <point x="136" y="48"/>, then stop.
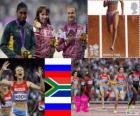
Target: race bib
<point x="90" y="82"/>
<point x="7" y="104"/>
<point x="20" y="97"/>
<point x="75" y="82"/>
<point x="121" y="81"/>
<point x="136" y="78"/>
<point x="103" y="80"/>
<point x="82" y="83"/>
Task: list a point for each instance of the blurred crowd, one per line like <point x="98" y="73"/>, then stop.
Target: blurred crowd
<point x="87" y="73"/>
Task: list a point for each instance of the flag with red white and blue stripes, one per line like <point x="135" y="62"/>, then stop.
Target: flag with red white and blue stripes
<point x="58" y="97"/>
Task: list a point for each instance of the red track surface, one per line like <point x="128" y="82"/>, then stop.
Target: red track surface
<point x="133" y="36"/>
<point x="93" y="30"/>
<point x="120" y="42"/>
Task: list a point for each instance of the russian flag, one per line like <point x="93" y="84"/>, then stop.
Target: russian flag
<point x="58" y="98"/>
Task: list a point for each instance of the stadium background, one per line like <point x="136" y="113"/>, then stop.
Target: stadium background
<point x="94" y="67"/>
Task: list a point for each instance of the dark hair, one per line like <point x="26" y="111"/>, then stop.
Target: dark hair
<point x="136" y="68"/>
<point x="39" y="10"/>
<point x="21" y="5"/>
<point x="74" y="72"/>
<point x="25" y="75"/>
<point x="120" y="68"/>
<point x="19" y="66"/>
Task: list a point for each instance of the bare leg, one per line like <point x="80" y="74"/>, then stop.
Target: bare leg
<point x="110" y="27"/>
<point x="116" y="103"/>
<point x="115" y="28"/>
<point x="102" y="97"/>
<point x="134" y="97"/>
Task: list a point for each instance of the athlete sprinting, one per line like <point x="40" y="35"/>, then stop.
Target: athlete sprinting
<point x="134" y="82"/>
<point x="113" y="18"/>
<point x="104" y="79"/>
<point x="121" y="84"/>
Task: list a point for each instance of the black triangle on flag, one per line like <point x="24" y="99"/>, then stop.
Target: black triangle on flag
<point x="47" y="87"/>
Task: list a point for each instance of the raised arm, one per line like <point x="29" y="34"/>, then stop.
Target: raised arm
<point x="6" y="82"/>
<point x="105" y="3"/>
<point x="42" y="85"/>
<point x="4" y="67"/>
<point x="122" y="6"/>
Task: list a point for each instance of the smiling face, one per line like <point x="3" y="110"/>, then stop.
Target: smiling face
<point x="43" y="16"/>
<point x="71" y="12"/>
<point x="19" y="72"/>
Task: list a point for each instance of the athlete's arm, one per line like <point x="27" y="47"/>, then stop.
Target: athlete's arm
<point x="34" y="86"/>
<point x="6" y="82"/>
<point x="1" y="98"/>
<point x="4" y="67"/>
<point x="108" y="77"/>
<point x="115" y="78"/>
<point x="105" y="3"/>
<point x="122" y="6"/>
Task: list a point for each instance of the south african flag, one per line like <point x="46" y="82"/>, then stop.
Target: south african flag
<point x="58" y="78"/>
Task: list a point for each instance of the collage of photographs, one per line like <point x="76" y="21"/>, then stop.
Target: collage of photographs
<point x="70" y="57"/>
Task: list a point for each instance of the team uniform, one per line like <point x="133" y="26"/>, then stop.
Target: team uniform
<point x="83" y="83"/>
<point x="89" y="83"/>
<point x="134" y="83"/>
<point x="104" y="78"/>
<point x="44" y="38"/>
<point x="110" y="14"/>
<point x="76" y="47"/>
<point x="136" y="80"/>
<point x="20" y="95"/>
<point x="121" y="79"/>
<point x="75" y="87"/>
<point x="7" y="107"/>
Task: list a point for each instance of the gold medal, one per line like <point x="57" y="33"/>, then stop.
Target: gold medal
<point x="23" y="49"/>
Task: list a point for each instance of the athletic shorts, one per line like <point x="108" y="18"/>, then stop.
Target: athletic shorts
<point x="110" y="15"/>
<point x="136" y="86"/>
<point x="75" y="90"/>
<point x="105" y="88"/>
<point x="119" y="88"/>
<point x="20" y="112"/>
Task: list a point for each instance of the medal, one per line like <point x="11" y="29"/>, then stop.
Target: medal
<point x="22" y="35"/>
<point x="23" y="49"/>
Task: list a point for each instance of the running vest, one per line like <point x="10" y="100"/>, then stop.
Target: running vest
<point x="75" y="80"/>
<point x="8" y="100"/>
<point x="20" y="91"/>
<point x="136" y="76"/>
<point x="104" y="77"/>
<point x="90" y="82"/>
<point x="120" y="78"/>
